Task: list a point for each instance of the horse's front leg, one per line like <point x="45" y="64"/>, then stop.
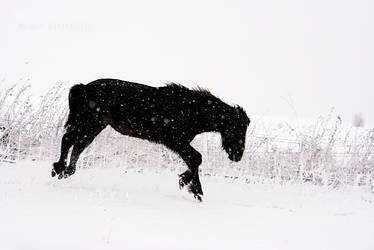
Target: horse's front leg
<point x="190" y="177"/>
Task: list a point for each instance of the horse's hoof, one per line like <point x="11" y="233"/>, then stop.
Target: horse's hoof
<point x="66" y="173"/>
<point x="53" y="173"/>
<point x="184" y="179"/>
<point x="63" y="175"/>
<point x="57" y="168"/>
<point x="181" y="184"/>
<point x="198" y="197"/>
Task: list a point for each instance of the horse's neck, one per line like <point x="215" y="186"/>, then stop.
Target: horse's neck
<point x="210" y="117"/>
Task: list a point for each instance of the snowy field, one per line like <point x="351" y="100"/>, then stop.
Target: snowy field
<point x="109" y="208"/>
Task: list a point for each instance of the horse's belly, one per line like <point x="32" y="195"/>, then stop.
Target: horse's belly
<point x="143" y="133"/>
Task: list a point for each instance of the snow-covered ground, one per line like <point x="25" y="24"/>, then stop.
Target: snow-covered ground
<point x="108" y="208"/>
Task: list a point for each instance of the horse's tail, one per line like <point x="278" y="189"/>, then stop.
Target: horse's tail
<point x="78" y="104"/>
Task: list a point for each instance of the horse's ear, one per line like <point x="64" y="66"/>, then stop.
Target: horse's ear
<point x="239" y="110"/>
<point x="241" y="113"/>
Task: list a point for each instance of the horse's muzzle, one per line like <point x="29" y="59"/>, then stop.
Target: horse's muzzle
<point x="235" y="158"/>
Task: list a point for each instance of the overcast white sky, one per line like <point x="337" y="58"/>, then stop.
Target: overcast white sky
<point x="275" y="58"/>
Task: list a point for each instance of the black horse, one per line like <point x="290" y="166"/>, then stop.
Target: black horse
<point x="171" y="115"/>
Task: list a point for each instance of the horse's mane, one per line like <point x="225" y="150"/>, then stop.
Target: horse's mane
<point x="178" y="88"/>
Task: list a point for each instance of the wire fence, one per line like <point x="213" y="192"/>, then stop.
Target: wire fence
<point x="261" y="138"/>
<point x="272" y="157"/>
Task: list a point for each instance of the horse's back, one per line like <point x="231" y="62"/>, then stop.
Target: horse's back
<point x="113" y="86"/>
<point x="112" y="92"/>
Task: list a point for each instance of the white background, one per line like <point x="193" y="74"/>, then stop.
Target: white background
<point x="294" y="59"/>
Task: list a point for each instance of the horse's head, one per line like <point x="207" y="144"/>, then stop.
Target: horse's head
<point x="233" y="132"/>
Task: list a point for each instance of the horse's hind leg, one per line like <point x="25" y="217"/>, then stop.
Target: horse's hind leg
<point x="66" y="143"/>
<point x="191" y="176"/>
<point x="78" y="148"/>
